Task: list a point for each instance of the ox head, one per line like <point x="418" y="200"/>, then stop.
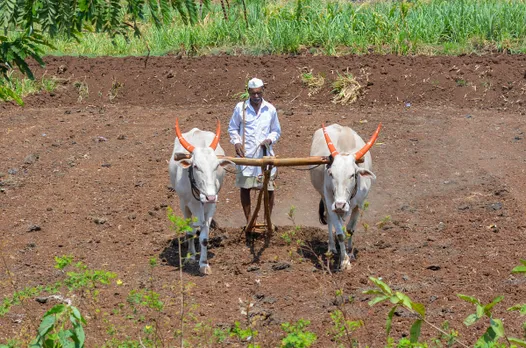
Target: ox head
<point x="204" y="167"/>
<point x="344" y="174"/>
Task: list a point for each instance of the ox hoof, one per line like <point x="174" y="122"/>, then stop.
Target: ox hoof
<point x="205" y="270"/>
<point x="345" y="265"/>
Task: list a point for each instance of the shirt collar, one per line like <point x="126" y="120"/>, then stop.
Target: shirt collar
<point x="263" y="104"/>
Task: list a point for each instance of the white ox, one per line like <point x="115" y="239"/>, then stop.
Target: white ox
<point x="344" y="183"/>
<point x="197" y="182"/>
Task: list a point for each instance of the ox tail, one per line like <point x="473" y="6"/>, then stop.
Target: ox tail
<point x="321" y="213"/>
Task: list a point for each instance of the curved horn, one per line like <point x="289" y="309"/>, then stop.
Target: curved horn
<point x="369" y="144"/>
<point x="328" y="140"/>
<point x="216" y="138"/>
<point x="190" y="148"/>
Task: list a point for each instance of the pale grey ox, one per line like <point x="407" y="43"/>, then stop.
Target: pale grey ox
<point x="344" y="183"/>
<point x="197" y="182"/>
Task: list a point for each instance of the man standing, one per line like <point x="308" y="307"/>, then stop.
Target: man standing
<point x="254" y="126"/>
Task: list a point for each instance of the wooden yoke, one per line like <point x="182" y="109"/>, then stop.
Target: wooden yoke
<point x="269" y="160"/>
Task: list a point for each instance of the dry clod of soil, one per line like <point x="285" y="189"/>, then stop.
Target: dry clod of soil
<point x="34" y="228"/>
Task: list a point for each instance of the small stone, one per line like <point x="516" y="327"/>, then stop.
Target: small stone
<point x="269" y="300"/>
<point x="12" y="171"/>
<point x="33" y="228"/>
<point x="253" y="268"/>
<point x="495" y="206"/>
<point x="280" y="266"/>
<point x="41" y="299"/>
<point x="106" y="165"/>
<point x="121" y="137"/>
<point x="463" y="207"/>
<point x="99" y="221"/>
<point x="31" y="158"/>
<point x="433" y="298"/>
<point x="434" y="267"/>
<point x="405" y="277"/>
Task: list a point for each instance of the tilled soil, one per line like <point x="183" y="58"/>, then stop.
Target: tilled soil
<point x="84" y="173"/>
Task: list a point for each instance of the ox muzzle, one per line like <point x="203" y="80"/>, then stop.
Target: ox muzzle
<point x="340" y="207"/>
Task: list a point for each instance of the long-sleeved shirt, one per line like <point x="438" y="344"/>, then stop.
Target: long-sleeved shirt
<point x="258" y="127"/>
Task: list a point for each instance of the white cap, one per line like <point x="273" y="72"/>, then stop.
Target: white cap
<point x="255" y="83"/>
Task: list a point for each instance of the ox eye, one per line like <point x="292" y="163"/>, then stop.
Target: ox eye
<point x="329" y="172"/>
<point x="196" y="167"/>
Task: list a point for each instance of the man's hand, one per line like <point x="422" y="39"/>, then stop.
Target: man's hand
<point x="239" y="150"/>
<point x="265" y="143"/>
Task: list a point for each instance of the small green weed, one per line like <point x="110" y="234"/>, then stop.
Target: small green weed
<point x="61" y="327"/>
<point x="342" y="329"/>
<point x="297" y="336"/>
<point x="82" y="89"/>
<point x="461" y="82"/>
<point x="386" y="219"/>
<point x="314" y="82"/>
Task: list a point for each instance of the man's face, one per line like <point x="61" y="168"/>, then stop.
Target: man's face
<point x="256" y="95"/>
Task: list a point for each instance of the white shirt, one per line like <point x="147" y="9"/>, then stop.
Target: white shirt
<point x="258" y="127"/>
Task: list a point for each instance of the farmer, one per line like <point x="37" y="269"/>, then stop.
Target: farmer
<point x="254" y="127"/>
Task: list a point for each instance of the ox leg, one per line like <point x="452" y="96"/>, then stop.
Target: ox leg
<point x="332" y="246"/>
<point x="190" y="241"/>
<point x="351" y="227"/>
<point x="204" y="267"/>
<point x="345" y="261"/>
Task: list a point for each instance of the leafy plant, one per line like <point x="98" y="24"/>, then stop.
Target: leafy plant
<point x="297" y="336"/>
<point x="246" y="335"/>
<point x="398" y="299"/>
<point x="62" y="262"/>
<point x="342" y="328"/>
<point x="61" y="327"/>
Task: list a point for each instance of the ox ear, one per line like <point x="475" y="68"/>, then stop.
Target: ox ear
<point x="185" y="163"/>
<point x="224" y="162"/>
<point x="366" y="173"/>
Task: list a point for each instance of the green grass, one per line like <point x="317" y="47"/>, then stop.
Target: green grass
<point x="24" y="86"/>
<point x="328" y="27"/>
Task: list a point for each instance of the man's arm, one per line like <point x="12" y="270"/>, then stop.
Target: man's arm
<point x="234" y="127"/>
<point x="275" y="128"/>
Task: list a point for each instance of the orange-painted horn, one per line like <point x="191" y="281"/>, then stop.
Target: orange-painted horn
<point x="369" y="144"/>
<point x="216" y="138"/>
<point x="328" y="140"/>
<point x="190" y="148"/>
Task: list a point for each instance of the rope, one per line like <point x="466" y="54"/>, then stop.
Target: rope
<point x="195" y="190"/>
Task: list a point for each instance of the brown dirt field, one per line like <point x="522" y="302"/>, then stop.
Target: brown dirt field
<point x="450" y="165"/>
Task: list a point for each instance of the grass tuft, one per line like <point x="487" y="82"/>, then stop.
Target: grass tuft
<point x="346" y="88"/>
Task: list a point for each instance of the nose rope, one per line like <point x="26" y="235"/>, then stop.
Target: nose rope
<point x="195" y="190"/>
<point x="354" y="191"/>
